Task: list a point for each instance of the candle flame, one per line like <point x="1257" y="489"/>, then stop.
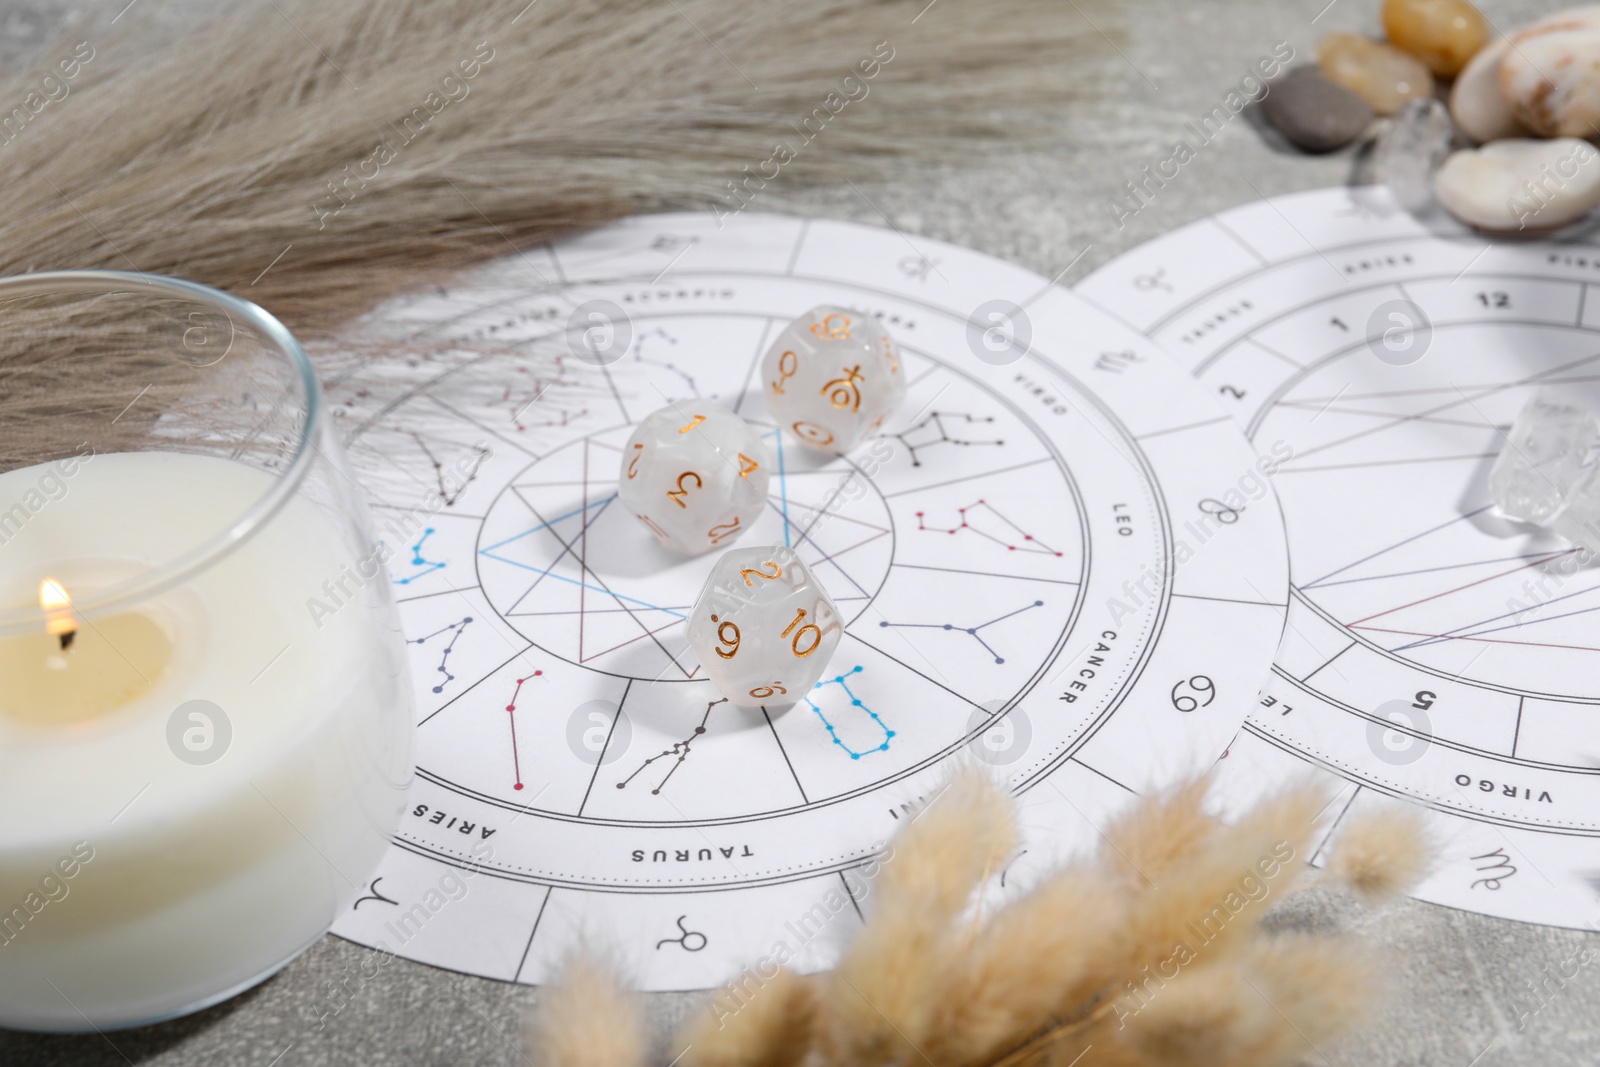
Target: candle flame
<point x="53" y="595"/>
<point x="57" y="606"/>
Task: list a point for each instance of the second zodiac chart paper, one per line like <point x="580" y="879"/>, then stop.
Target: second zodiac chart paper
<point x="1058" y="557"/>
<point x="1434" y="649"/>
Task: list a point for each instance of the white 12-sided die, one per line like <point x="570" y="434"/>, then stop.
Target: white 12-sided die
<point x="694" y="473"/>
<point x="763" y="626"/>
<point x="832" y="376"/>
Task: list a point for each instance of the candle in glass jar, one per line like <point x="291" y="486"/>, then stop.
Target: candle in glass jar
<point x="215" y="763"/>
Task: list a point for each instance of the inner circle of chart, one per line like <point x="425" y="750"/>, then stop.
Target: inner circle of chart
<point x="559" y="521"/>
<point x="1459" y="591"/>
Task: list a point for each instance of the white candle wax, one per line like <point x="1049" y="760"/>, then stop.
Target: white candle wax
<point x="136" y="883"/>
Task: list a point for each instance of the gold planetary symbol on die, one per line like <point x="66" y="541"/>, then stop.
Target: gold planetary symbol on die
<point x="832" y="327"/>
<point x="788" y="364"/>
<point x="844" y="392"/>
<point x="813" y="434"/>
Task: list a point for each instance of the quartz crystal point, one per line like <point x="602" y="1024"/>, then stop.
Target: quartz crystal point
<point x="1412" y="150"/>
<point x="1546" y="473"/>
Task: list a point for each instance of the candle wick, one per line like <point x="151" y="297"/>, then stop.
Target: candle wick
<point x="66" y="639"/>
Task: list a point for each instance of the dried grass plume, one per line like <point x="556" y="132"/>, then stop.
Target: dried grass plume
<point x="316" y="157"/>
<point x="587" y="1018"/>
<point x="1382" y="853"/>
<point x="773" y="1027"/>
<point x="1150" y="953"/>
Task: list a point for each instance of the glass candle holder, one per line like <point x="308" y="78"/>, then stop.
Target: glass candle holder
<point x="204" y="721"/>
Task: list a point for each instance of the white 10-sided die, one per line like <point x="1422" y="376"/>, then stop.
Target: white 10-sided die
<point x="831" y="377"/>
<point x="764" y="627"/>
<point x="695" y="474"/>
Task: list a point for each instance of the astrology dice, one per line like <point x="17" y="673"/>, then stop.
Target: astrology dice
<point x="831" y="377"/>
<point x="764" y="626"/>
<point x="694" y="473"/>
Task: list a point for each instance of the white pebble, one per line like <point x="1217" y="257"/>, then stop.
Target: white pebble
<point x="1476" y="103"/>
<point x="1550" y="76"/>
<point x="1521" y="186"/>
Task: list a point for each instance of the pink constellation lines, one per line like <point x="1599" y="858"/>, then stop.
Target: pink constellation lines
<point x="511" y="716"/>
<point x="1029" y="543"/>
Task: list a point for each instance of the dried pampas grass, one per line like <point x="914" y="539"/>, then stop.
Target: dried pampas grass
<point x="774" y="1028"/>
<point x="1382" y="854"/>
<point x="316" y="156"/>
<point x="1150" y="953"/>
<point x="587" y="1018"/>
<point x="879" y="1001"/>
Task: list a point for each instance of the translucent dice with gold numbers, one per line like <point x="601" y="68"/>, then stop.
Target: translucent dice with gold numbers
<point x="831" y="377"/>
<point x="764" y="627"/>
<point x="694" y="473"/>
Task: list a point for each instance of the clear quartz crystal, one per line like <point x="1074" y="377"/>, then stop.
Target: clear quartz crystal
<point x="1412" y="150"/>
<point x="1547" y="471"/>
<point x="1580" y="523"/>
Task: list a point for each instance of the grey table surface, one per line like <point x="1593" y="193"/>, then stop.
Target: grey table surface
<point x="1459" y="989"/>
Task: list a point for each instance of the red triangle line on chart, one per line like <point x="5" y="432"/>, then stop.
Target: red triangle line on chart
<point x="1459" y="588"/>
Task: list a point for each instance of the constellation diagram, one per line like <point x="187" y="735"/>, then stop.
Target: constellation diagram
<point x="988" y="517"/>
<point x="933" y="429"/>
<point x="879" y="727"/>
<point x="1436" y="649"/>
<point x="660" y="813"/>
<point x="455" y="631"/>
<point x="526" y="411"/>
<point x="451" y="495"/>
<point x="970" y="631"/>
<point x="430" y="464"/>
<point x="511" y="719"/>
<point x="421" y="566"/>
<point x="657" y="338"/>
<point x="679" y="749"/>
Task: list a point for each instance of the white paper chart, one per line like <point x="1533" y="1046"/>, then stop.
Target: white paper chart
<point x="1044" y="561"/>
<point x="1434" y="650"/>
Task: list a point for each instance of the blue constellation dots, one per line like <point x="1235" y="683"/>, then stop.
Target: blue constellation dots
<point x="424" y="565"/>
<point x="855" y="702"/>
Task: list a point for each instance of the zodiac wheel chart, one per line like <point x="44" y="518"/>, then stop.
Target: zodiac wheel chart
<point x="1049" y="560"/>
<point x="1435" y="650"/>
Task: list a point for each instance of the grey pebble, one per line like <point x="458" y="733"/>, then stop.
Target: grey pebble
<point x="1313" y="112"/>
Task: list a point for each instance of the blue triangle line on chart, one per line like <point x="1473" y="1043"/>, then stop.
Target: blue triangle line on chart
<point x="549" y="572"/>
